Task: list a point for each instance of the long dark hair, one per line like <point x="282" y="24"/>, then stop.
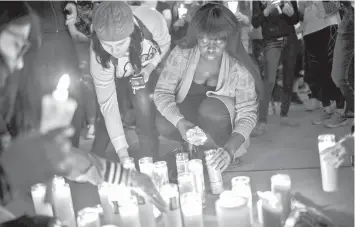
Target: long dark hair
<point x="135" y="47"/>
<point x="218" y="21"/>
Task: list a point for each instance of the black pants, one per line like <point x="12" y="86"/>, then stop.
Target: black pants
<point x="144" y="110"/>
<point x="319" y="50"/>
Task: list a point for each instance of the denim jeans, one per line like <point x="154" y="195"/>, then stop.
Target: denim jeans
<point x="285" y="48"/>
<point x="344" y="59"/>
<point x="145" y="112"/>
<point x="319" y="48"/>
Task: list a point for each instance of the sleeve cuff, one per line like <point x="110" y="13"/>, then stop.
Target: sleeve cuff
<point x="244" y="128"/>
<point x="119" y="143"/>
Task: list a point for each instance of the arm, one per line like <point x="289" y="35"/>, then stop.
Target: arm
<point x="246" y="105"/>
<point x="164" y="94"/>
<point x="107" y="98"/>
<point x="295" y="18"/>
<point x="258" y="14"/>
<point x="301" y="9"/>
<point x="245" y="20"/>
<point x="167" y="15"/>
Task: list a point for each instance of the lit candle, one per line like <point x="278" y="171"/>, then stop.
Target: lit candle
<point x="233" y="6"/>
<point x="182" y="10"/>
<point x="170" y="194"/>
<point x="191" y="206"/>
<point x="129" y="214"/>
<point x="186" y="183"/>
<point x="57" y="109"/>
<point x="232" y="209"/>
<point x="329" y="173"/>
<point x="146" y="166"/>
<point x="63" y="205"/>
<point x="196" y="167"/>
<point x="271" y="209"/>
<point x="281" y="184"/>
<point x="38" y="192"/>
<point x="110" y="216"/>
<point x="241" y="187"/>
<point x="182" y="161"/>
<point x="89" y="217"/>
<point x="160" y="174"/>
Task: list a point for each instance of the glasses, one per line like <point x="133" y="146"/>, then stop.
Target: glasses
<point x="22" y="45"/>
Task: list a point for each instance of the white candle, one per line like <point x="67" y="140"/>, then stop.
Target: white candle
<point x="233" y="6"/>
<point x="329" y="173"/>
<point x="191" y="206"/>
<point x="271" y="209"/>
<point x="160" y="174"/>
<point x="109" y="216"/>
<point x="196" y="167"/>
<point x="57" y="108"/>
<point x="38" y="192"/>
<point x="232" y="209"/>
<point x="129" y="214"/>
<point x="146" y="213"/>
<point x="281" y="184"/>
<point x="170" y="194"/>
<point x="146" y="166"/>
<point x="89" y="217"/>
<point x="241" y="187"/>
<point x="182" y="10"/>
<point x="63" y="205"/>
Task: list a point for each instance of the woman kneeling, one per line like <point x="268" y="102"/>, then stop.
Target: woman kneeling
<point x="208" y="81"/>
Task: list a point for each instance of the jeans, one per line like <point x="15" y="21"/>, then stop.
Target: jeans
<point x="287" y="47"/>
<point x="258" y="55"/>
<point x="319" y="48"/>
<point x="145" y="112"/>
<point x="344" y="58"/>
<point x="210" y="114"/>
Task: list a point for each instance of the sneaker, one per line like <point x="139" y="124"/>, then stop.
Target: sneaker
<point x="325" y="115"/>
<point x="338" y="119"/>
<point x="286" y="121"/>
<point x="90" y="134"/>
<point x="259" y="129"/>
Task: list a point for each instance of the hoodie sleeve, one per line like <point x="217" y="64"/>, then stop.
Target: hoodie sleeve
<point x="258" y="14"/>
<point x="295" y="18"/>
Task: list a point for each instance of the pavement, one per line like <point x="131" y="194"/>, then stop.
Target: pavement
<point x="282" y="149"/>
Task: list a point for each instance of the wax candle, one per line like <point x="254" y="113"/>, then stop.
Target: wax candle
<point x="196" y="167"/>
<point x="182" y="10"/>
<point x="160" y="174"/>
<point x="146" y="166"/>
<point x="232" y="209"/>
<point x="182" y="161"/>
<point x="241" y="187"/>
<point x="170" y="194"/>
<point x="89" y="217"/>
<point x="186" y="183"/>
<point x="329" y="173"/>
<point x="38" y="193"/>
<point x="57" y="109"/>
<point x="281" y="184"/>
<point x="109" y="217"/>
<point x="146" y="213"/>
<point x="214" y="176"/>
<point x="129" y="214"/>
<point x="63" y="205"/>
<point x="271" y="209"/>
<point x="191" y="206"/>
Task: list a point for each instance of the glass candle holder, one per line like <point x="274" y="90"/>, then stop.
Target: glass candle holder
<point x="232" y="209"/>
<point x="146" y="166"/>
<point x="182" y="162"/>
<point x="63" y="205"/>
<point x="271" y="211"/>
<point x="89" y="217"/>
<point x="129" y="213"/>
<point x="38" y="193"/>
<point x="170" y="194"/>
<point x="128" y="163"/>
<point x="215" y="176"/>
<point x="281" y="184"/>
<point x="329" y="173"/>
<point x="109" y="214"/>
<point x="196" y="167"/>
<point x="241" y="187"/>
<point x="191" y="206"/>
<point x="160" y="173"/>
<point x="186" y="183"/>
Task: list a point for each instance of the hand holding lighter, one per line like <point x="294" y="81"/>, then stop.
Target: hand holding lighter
<point x="137" y="83"/>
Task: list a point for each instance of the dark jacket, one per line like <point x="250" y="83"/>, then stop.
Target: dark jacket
<point x="275" y="25"/>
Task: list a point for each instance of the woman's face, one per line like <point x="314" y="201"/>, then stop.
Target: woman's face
<point x="14" y="44"/>
<point x="211" y="48"/>
<point x="118" y="48"/>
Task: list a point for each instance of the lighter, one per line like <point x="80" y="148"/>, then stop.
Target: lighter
<point x="137" y="83"/>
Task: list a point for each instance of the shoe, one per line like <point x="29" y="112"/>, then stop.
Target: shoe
<point x="286" y="121"/>
<point x="338" y="119"/>
<point x="325" y="115"/>
<point x="90" y="134"/>
<point x="259" y="129"/>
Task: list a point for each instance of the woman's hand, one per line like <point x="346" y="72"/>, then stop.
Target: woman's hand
<point x="179" y="23"/>
<point x="270" y="7"/>
<point x="71" y="17"/>
<point x="183" y="126"/>
<point x="144" y="186"/>
<point x="335" y="155"/>
<point x="241" y="17"/>
<point x="146" y="71"/>
<point x="221" y="160"/>
<point x="288" y="9"/>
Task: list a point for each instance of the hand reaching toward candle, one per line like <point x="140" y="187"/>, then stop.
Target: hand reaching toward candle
<point x="221" y="160"/>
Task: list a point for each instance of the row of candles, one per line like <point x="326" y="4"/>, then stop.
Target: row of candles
<point x="186" y="200"/>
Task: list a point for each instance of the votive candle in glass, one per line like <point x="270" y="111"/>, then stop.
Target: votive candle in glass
<point x="191" y="206"/>
<point x="129" y="214"/>
<point x="160" y="174"/>
<point x="329" y="173"/>
<point x="186" y="182"/>
<point x="241" y="187"/>
<point x="182" y="162"/>
<point x="196" y="167"/>
<point x="281" y="184"/>
<point x="146" y="166"/>
<point x="232" y="209"/>
<point x="271" y="209"/>
<point x="63" y="205"/>
<point x="170" y="194"/>
<point x="38" y="193"/>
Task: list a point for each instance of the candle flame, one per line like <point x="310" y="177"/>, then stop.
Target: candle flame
<point x="64" y="82"/>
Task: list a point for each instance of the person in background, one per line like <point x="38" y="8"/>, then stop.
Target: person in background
<point x="135" y="49"/>
<point x="343" y="61"/>
<point x="319" y="34"/>
<point x="33" y="157"/>
<point x="277" y="20"/>
<point x="162" y="7"/>
<point x="208" y="81"/>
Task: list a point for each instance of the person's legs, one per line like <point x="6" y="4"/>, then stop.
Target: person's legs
<point x="290" y="52"/>
<point x="102" y="139"/>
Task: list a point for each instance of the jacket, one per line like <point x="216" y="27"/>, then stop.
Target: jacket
<point x="235" y="88"/>
<point x="275" y="25"/>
